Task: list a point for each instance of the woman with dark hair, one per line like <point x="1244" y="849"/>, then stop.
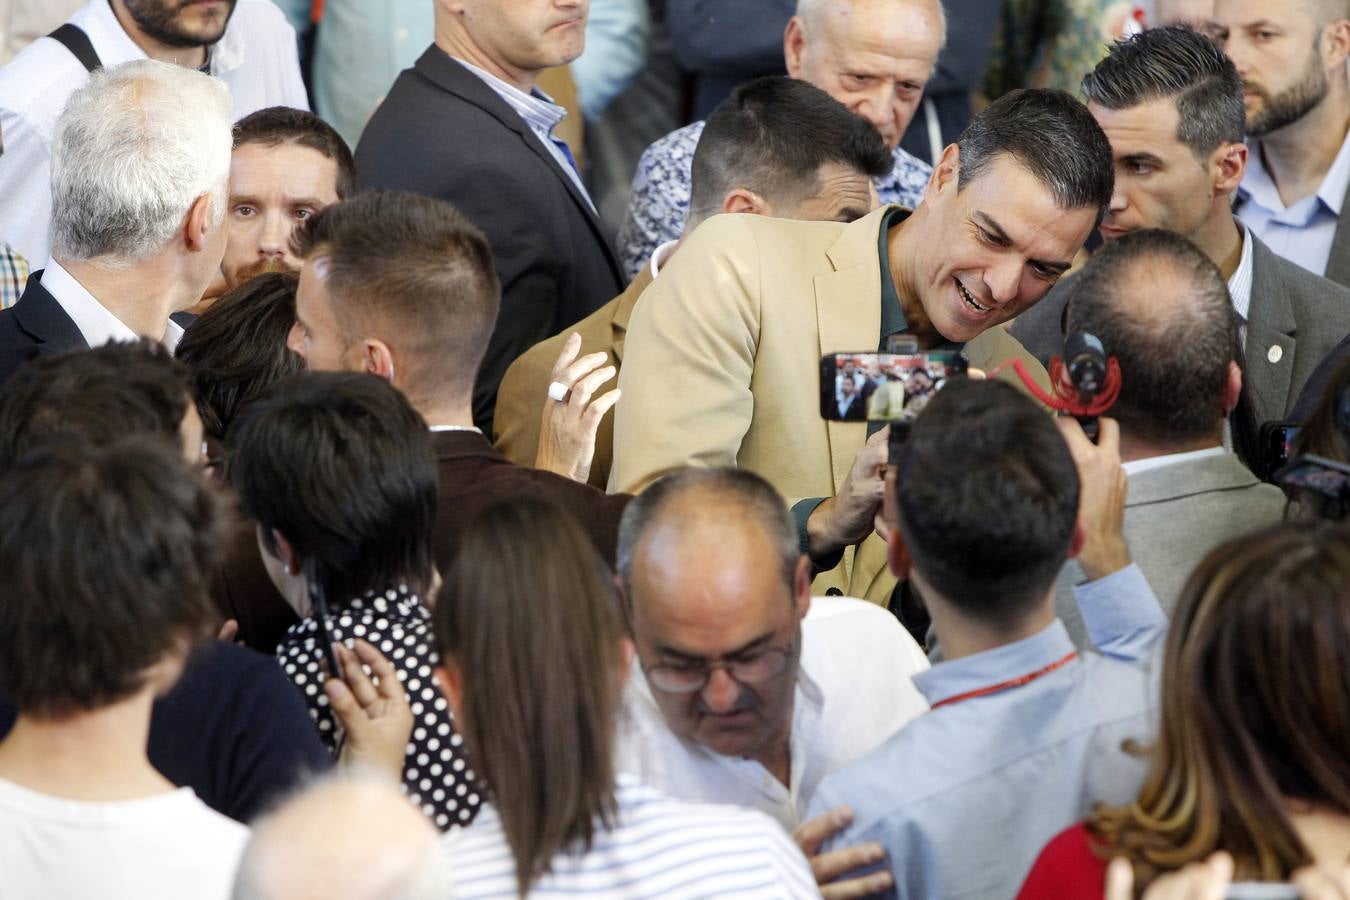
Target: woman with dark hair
<point x="1253" y="753"/>
<point x="534" y="656"/>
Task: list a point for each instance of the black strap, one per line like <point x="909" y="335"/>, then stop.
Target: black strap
<point x="73" y="38"/>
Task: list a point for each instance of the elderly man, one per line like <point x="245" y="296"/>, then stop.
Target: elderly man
<point x="468" y="124"/>
<point x="245" y="43"/>
<point x="873" y="56"/>
<point x="140" y="165"/>
<point x="723" y="352"/>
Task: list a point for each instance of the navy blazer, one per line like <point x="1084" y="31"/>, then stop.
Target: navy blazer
<point x="444" y="133"/>
<point x="35" y="326"/>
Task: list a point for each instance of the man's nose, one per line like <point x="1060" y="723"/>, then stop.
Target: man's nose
<point x="276" y="237"/>
<point x="1003" y="280"/>
<point x="876" y="107"/>
<point x="721" y="692"/>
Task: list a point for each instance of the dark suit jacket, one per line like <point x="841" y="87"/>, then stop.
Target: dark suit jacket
<point x="36" y="325"/>
<point x="473" y="474"/>
<point x="1301" y="314"/>
<point x="444" y="133"/>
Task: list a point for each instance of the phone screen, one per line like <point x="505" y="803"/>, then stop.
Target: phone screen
<point x="883" y="387"/>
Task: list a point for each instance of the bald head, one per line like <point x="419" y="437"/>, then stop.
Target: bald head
<point x="815" y="12"/>
<point x="1137" y="294"/>
<point x="357" y="839"/>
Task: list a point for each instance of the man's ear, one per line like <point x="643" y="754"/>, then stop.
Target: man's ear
<point x="1079" y="539"/>
<point x="1232" y="389"/>
<point x="946" y="174"/>
<point x="794" y="43"/>
<point x="1336" y="43"/>
<point x="897" y="554"/>
<point x="378" y="359"/>
<point x="450" y="680"/>
<point x="744" y="200"/>
<point x="286" y="553"/>
<point x="801" y="586"/>
<point x="1229" y="165"/>
<point x="198" y="224"/>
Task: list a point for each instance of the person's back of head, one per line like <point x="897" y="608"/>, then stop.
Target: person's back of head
<point x="535" y="686"/>
<point x="138" y="151"/>
<point x="351" y="837"/>
<point x="1255" y="711"/>
<point x="775" y="138"/>
<point x="410" y="280"/>
<point x="97" y="396"/>
<point x="236" y="350"/>
<point x="276" y="126"/>
<point x="988" y="504"/>
<point x="1161" y="307"/>
<point x="105" y="552"/>
<point x="340" y="468"/>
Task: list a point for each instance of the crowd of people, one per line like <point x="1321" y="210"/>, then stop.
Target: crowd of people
<point x="381" y="516"/>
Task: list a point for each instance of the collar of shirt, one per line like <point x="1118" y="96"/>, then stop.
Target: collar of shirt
<point x="661" y="256"/>
<point x="1259" y="187"/>
<point x="96" y="323"/>
<point x="1135" y="466"/>
<point x="1240" y="285"/>
<point x="536" y="108"/>
<point x="892" y="313"/>
<point x="115" y="46"/>
<point x="982" y="670"/>
<point x="436" y="428"/>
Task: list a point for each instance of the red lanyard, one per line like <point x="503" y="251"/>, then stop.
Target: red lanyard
<point x="1010" y="683"/>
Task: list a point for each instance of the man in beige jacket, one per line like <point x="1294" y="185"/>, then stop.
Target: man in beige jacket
<point x="722" y="361"/>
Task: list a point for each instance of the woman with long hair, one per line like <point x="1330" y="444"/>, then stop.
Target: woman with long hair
<point x="1253" y="752"/>
<point x="534" y="654"/>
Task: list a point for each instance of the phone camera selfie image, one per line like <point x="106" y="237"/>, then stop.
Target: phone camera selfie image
<point x="883" y="387"/>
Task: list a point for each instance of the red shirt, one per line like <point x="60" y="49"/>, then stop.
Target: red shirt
<point x="1067" y="869"/>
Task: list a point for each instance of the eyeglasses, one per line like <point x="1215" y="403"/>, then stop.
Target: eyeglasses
<point x="752" y="668"/>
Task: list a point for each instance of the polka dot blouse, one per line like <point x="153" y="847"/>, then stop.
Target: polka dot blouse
<point x="435" y="772"/>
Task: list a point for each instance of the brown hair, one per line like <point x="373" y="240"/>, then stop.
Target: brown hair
<point x="277" y="125"/>
<point x="1255" y="709"/>
<point x="529" y="614"/>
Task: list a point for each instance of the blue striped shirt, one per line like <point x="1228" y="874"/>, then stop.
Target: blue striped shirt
<point x="659" y="847"/>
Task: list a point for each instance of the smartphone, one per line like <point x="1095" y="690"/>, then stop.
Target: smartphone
<point x="1260" y="890"/>
<point x="883" y="387"/>
<point x="319" y="609"/>
<point x="1277" y="440"/>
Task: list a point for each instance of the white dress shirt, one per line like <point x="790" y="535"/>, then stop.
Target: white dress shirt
<point x="1302" y="233"/>
<point x="854" y="690"/>
<point x="256" y="58"/>
<point x="96" y="323"/>
<point x="1135" y="466"/>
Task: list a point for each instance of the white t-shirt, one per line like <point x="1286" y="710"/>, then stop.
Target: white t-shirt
<point x="168" y="847"/>
<point x="854" y="690"/>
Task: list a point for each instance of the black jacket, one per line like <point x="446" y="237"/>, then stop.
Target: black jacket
<point x="444" y="133"/>
<point x="35" y="326"/>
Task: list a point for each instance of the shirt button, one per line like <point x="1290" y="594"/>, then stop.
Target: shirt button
<point x="1275" y="354"/>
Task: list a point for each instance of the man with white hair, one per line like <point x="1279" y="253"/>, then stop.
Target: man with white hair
<point x="873" y="56"/>
<point x="351" y="837"/>
<point x="247" y="44"/>
<point x="140" y="171"/>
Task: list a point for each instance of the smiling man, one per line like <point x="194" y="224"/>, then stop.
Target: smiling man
<point x="245" y="43"/>
<point x="722" y="361"/>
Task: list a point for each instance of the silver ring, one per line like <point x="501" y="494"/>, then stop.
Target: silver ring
<point x="558" y="391"/>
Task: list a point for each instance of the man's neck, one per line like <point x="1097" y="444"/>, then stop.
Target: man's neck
<point x="454" y="414"/>
<point x="959" y="635"/>
<point x="1299" y="155"/>
<point x="191" y="57"/>
<point x="141" y="297"/>
<point x="1220" y="238"/>
<point x="95" y="757"/>
<point x="1133" y="449"/>
<point x="455" y="40"/>
<point x="900" y="256"/>
<point x="776" y="755"/>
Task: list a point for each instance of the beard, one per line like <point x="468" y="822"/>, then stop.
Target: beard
<point x="1291" y="104"/>
<point x="253" y="270"/>
<point x="161" y="20"/>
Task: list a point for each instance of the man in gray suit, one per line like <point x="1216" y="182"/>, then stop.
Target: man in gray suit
<point x="1186" y="492"/>
<point x="1172" y="106"/>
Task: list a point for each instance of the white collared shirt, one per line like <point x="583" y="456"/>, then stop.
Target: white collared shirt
<point x="854" y="690"/>
<point x="661" y="256"/>
<point x="1302" y="233"/>
<point x="256" y="58"/>
<point x="96" y="322"/>
<point x="1135" y="466"/>
<point x="1240" y="285"/>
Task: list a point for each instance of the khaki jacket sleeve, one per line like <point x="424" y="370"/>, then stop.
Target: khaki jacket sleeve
<point x="520" y="403"/>
<point x="689" y="359"/>
<point x="995" y="347"/>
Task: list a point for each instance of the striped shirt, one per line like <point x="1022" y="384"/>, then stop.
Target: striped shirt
<point x="658" y="848"/>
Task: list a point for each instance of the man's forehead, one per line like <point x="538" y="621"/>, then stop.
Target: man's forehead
<point x="1151" y="125"/>
<point x="888" y="30"/>
<point x="1246" y="13"/>
<point x="1024" y="209"/>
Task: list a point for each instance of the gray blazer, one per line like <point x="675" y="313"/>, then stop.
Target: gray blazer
<point x="1174" y="515"/>
<point x="1302" y="314"/>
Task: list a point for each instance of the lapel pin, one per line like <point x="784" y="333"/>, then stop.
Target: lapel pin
<point x="1275" y="354"/>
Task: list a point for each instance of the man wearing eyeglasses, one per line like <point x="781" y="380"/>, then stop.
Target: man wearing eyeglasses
<point x="745" y="689"/>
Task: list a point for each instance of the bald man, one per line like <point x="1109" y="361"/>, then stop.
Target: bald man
<point x="356" y="838"/>
<point x="873" y="56"/>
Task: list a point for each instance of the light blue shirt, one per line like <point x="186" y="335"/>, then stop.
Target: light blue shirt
<point x="965" y="797"/>
<point x="1302" y="233"/>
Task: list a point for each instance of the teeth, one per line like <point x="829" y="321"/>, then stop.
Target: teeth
<point x="965" y="295"/>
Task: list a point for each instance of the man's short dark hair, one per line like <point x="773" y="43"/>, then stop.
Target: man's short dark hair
<point x="105" y="553"/>
<point x="1180" y="64"/>
<point x="277" y="125"/>
<point x="772" y="135"/>
<point x="237" y="348"/>
<point x="1053" y="137"/>
<point x="1161" y="307"/>
<point x="95" y="395"/>
<point x="416" y="270"/>
<point x="988" y="499"/>
<point x="340" y="465"/>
